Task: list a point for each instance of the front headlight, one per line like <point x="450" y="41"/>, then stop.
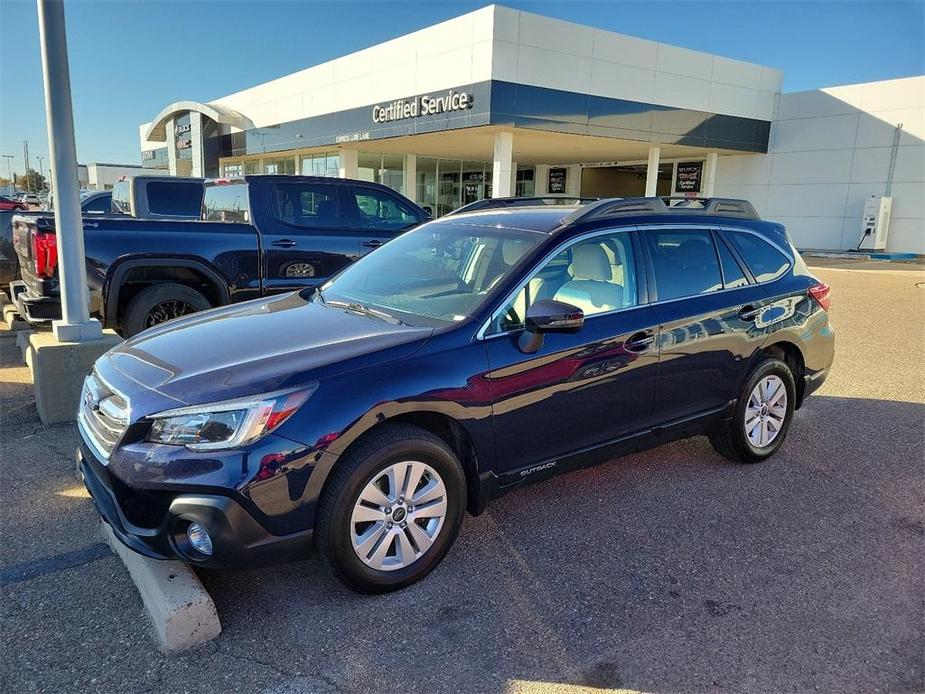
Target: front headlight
<point x="227" y="424"/>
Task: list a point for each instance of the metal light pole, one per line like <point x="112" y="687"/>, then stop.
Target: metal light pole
<point x="9" y="171"/>
<point x="75" y="324"/>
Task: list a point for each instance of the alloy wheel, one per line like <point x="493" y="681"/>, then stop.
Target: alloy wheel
<point x="398" y="515"/>
<point x="167" y="310"/>
<point x="766" y="411"/>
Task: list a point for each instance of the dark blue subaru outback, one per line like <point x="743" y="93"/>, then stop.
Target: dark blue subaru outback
<point x="470" y="356"/>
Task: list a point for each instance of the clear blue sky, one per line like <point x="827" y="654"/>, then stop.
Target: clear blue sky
<point x="129" y="59"/>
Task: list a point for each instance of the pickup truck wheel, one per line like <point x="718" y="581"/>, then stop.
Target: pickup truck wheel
<point x="159" y="303"/>
<point x="391" y="509"/>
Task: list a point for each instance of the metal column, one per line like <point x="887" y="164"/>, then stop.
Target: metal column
<point x="75" y="325"/>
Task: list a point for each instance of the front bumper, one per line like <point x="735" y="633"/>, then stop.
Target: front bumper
<point x="159" y="530"/>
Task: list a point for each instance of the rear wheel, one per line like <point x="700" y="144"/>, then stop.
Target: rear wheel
<point x="762" y="415"/>
<point x="392" y="509"/>
<point x="159" y="303"/>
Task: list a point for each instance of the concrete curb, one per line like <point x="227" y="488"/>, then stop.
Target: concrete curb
<point x="181" y="610"/>
<point x="11" y="317"/>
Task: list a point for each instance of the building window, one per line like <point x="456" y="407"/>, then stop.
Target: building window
<point x="233" y="170"/>
<point x="387" y="169"/>
<point x="324" y="164"/>
<point x="526" y="186"/>
<point x="281" y="165"/>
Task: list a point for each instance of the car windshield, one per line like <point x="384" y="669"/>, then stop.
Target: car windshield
<point x="438" y="273"/>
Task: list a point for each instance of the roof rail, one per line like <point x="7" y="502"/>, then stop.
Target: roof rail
<point x="613" y="207"/>
<point x="522" y="201"/>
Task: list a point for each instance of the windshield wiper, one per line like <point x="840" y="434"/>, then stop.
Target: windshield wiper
<point x="363" y="310"/>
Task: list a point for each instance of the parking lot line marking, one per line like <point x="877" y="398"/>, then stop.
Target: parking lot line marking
<point x="50" y="565"/>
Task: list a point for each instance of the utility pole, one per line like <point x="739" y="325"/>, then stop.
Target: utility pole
<point x="25" y="161"/>
<point x="42" y="171"/>
<point x="9" y="171"/>
<point x="75" y="324"/>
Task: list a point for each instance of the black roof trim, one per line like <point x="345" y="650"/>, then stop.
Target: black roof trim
<point x="613" y="207"/>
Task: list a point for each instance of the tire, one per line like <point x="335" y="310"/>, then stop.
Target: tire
<point x="742" y="444"/>
<point x="158" y="303"/>
<point x="337" y="531"/>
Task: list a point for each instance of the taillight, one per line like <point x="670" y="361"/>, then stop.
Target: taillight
<point x="44" y="253"/>
<point x="822" y="293"/>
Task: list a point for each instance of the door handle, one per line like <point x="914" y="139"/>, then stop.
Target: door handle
<point x="640" y="342"/>
<point x="372" y="243"/>
<point x="91" y="225"/>
<point x="283" y="243"/>
<point x="748" y="313"/>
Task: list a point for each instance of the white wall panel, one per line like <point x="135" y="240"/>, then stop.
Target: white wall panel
<point x="684" y="92"/>
<point x="544" y="32"/>
<point x="737" y="72"/>
<point x="833" y="166"/>
<point x="907" y="235"/>
<point x="806" y="134"/>
<point x="816" y="200"/>
<point x="814" y="232"/>
<point x="552" y="69"/>
<point x="683" y="61"/>
<point x="733" y="100"/>
<point x="626" y="50"/>
<point x="622" y="81"/>
<point x="743" y="170"/>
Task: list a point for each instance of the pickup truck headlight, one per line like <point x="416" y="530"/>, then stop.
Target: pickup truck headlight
<point x="227" y="424"/>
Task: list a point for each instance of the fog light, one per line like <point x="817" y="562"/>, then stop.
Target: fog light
<point x="199" y="539"/>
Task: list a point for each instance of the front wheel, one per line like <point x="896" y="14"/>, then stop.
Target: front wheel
<point x="391" y="510"/>
<point x="762" y="415"/>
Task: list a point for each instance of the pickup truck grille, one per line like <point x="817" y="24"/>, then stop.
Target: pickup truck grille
<point x="103" y="416"/>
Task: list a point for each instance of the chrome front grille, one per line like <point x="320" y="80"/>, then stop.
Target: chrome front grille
<point x="103" y="415"/>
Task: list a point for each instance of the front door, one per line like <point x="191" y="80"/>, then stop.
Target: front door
<point x="579" y="390"/>
<point x="706" y="310"/>
<point x="376" y="216"/>
<point x="306" y="241"/>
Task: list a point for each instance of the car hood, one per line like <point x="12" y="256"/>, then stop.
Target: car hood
<point x="254" y="347"/>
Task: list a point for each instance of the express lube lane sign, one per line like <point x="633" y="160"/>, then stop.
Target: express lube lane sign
<point x="424" y="105"/>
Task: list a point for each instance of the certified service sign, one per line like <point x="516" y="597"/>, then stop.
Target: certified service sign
<point x="425" y="105"/>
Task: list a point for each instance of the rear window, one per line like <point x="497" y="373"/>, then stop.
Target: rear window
<point x="226" y="203"/>
<point x="766" y="262"/>
<point x="99" y="205"/>
<point x="174" y="198"/>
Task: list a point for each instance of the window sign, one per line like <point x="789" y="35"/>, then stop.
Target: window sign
<point x="557" y="180"/>
<point x="689" y="176"/>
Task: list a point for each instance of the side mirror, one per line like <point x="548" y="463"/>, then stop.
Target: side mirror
<point x="549" y="316"/>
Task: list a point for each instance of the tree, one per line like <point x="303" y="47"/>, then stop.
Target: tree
<point x="32" y="180"/>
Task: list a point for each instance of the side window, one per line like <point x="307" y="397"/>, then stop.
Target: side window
<point x="766" y="262"/>
<point x="174" y="198"/>
<point x="308" y="205"/>
<point x="379" y="210"/>
<point x="732" y="274"/>
<point x="596" y="274"/>
<point x="100" y="205"/>
<point x="226" y="202"/>
<point x="684" y="261"/>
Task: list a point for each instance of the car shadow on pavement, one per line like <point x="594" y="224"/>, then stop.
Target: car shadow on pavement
<point x="671" y="570"/>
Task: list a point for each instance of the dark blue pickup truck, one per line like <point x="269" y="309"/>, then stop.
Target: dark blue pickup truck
<point x="258" y="235"/>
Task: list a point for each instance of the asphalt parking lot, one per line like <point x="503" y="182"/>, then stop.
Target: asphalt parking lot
<point x="667" y="571"/>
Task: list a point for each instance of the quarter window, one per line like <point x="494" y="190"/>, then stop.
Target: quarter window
<point x="684" y="261"/>
<point x="597" y="275"/>
<point x="732" y="274"/>
<point x="766" y="262"/>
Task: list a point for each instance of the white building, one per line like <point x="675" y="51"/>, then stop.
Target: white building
<point x="105" y="176"/>
<point x="503" y="102"/>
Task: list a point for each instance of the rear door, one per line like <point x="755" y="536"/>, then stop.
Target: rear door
<point x="706" y="306"/>
<point x="304" y="234"/>
<point x="376" y="216"/>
